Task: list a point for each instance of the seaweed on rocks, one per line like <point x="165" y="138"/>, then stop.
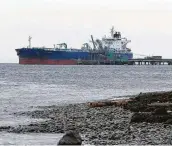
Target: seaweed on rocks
<point x="142" y="102"/>
<point x="150" y="118"/>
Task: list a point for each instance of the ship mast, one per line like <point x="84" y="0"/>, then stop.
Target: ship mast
<point x="112" y="31"/>
<point x="29" y="41"/>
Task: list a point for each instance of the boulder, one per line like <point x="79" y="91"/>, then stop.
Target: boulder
<point x="150" y="118"/>
<point x="71" y="138"/>
<point x="160" y="111"/>
<point x="138" y="117"/>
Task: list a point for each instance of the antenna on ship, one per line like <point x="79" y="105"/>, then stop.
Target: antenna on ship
<point x="29" y="41"/>
<point x="112" y="31"/>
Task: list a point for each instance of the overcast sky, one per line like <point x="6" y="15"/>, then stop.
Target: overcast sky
<point x="147" y="23"/>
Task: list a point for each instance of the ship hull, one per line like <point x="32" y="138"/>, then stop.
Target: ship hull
<point x="34" y="61"/>
<point x="50" y="57"/>
<point x="67" y="57"/>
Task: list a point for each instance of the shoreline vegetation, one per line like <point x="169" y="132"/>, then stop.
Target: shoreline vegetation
<point x="142" y="119"/>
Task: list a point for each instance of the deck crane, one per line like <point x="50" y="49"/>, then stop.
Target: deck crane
<point x="61" y="45"/>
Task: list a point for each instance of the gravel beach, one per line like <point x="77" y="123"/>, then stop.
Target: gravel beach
<point x="106" y="125"/>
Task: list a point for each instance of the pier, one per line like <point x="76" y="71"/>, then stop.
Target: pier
<point x="150" y="61"/>
<point x="141" y="61"/>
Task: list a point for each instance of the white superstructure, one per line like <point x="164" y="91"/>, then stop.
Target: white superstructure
<point x="114" y="43"/>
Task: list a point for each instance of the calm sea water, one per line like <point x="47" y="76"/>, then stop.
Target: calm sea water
<point x="26" y="86"/>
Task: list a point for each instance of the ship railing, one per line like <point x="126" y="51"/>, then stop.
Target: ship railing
<point x="78" y="50"/>
<point x="44" y="48"/>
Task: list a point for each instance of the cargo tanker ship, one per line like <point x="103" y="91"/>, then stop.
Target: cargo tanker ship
<point x="108" y="49"/>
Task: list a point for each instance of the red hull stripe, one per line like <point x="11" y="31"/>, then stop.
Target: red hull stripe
<point x="47" y="61"/>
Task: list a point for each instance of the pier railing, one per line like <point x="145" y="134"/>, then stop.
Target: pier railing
<point x="146" y="61"/>
<point x="129" y="62"/>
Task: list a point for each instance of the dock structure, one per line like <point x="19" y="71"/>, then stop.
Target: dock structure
<point x="145" y="61"/>
<point x="129" y="62"/>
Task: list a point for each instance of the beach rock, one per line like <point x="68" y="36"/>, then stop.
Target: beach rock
<point x="169" y="121"/>
<point x="160" y="111"/>
<point x="135" y="106"/>
<point x="5" y="128"/>
<point x="149" y="109"/>
<point x="143" y="101"/>
<point x="101" y="104"/>
<point x="137" y="117"/>
<point x="70" y="138"/>
<point x="150" y="118"/>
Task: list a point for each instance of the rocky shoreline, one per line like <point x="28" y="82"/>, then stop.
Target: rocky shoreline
<point x="144" y="119"/>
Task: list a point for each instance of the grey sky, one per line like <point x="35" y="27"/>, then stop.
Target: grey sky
<point x="148" y="23"/>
